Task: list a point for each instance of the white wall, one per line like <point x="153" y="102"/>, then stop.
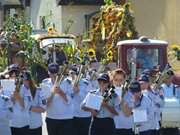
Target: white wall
<point x="158" y="19"/>
<point x="60" y="15"/>
<point x="43" y="8"/>
<point x="77" y="14"/>
<point x="153" y="18"/>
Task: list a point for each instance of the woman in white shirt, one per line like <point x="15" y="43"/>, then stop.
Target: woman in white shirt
<point x="38" y="105"/>
<point x="20" y="119"/>
<point x="59" y="116"/>
<point x="123" y="122"/>
<point x="5" y="114"/>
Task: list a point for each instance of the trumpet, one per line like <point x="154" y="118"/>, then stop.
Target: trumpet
<point x="108" y="94"/>
<point x="80" y="75"/>
<point x="161" y="77"/>
<point x="124" y="87"/>
<point x="95" y="73"/>
<point x="4" y="74"/>
<point x="19" y="82"/>
<point x="82" y="70"/>
<point x="61" y="74"/>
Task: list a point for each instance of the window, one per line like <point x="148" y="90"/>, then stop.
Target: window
<point x="144" y="58"/>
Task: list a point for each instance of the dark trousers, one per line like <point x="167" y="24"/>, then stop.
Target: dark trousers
<point x="155" y="132"/>
<point x="103" y="126"/>
<point x="170" y="131"/>
<point x="59" y="127"/>
<point x="124" y="132"/>
<point x="81" y="125"/>
<point x="145" y="132"/>
<point x="37" y="131"/>
<point x="20" y="131"/>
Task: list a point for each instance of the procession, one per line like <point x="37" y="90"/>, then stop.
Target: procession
<point x="111" y="81"/>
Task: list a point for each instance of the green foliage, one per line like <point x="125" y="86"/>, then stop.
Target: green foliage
<point x="112" y="24"/>
<point x="23" y="30"/>
<point x="108" y="2"/>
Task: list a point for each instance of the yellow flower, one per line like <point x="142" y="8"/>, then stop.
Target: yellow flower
<point x="129" y="34"/>
<point x="110" y="55"/>
<point x="175" y="47"/>
<point x="23" y="28"/>
<point x="120" y="14"/>
<point x="91" y="53"/>
<point x="50" y="29"/>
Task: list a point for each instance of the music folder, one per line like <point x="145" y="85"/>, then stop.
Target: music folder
<point x="8" y="85"/>
<point x="139" y="115"/>
<point x="93" y="101"/>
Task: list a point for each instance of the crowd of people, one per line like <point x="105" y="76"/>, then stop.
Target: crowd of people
<point x="64" y="102"/>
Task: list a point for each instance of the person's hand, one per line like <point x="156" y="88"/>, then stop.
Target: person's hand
<point x="16" y="95"/>
<point x="32" y="109"/>
<point x="104" y="103"/>
<point x="161" y="93"/>
<point x="94" y="112"/>
<point x="76" y="89"/>
<point x="55" y="89"/>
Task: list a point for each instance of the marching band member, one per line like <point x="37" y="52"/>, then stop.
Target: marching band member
<point x="170" y="90"/>
<point x="13" y="73"/>
<point x="20" y="60"/>
<point x="6" y="104"/>
<point x="81" y="118"/>
<point x="59" y="117"/>
<point x="38" y="105"/>
<point x="103" y="123"/>
<point x="142" y="102"/>
<point x="22" y="100"/>
<point x="92" y="74"/>
<point x="5" y="113"/>
<point x="123" y="121"/>
<point x="156" y="100"/>
<point x="92" y="77"/>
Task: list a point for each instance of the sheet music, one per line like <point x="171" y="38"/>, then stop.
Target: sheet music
<point x="8" y="85"/>
<point x="139" y="116"/>
<point x="93" y="101"/>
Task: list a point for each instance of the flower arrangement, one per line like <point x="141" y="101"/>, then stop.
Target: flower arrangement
<point x="113" y="23"/>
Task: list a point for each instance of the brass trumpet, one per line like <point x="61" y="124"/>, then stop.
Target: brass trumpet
<point x="161" y="77"/>
<point x="80" y="75"/>
<point x="108" y="94"/>
<point x="61" y="74"/>
<point x="19" y="82"/>
<point x="124" y="87"/>
<point x="95" y="73"/>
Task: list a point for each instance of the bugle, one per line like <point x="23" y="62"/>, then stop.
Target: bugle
<point x="108" y="94"/>
<point x="19" y="82"/>
<point x="124" y="87"/>
<point x="61" y="74"/>
<point x="161" y="77"/>
<point x="80" y="75"/>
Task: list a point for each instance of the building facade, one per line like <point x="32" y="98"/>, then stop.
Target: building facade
<point x="61" y="16"/>
<point x="9" y="7"/>
<point x="155" y="19"/>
